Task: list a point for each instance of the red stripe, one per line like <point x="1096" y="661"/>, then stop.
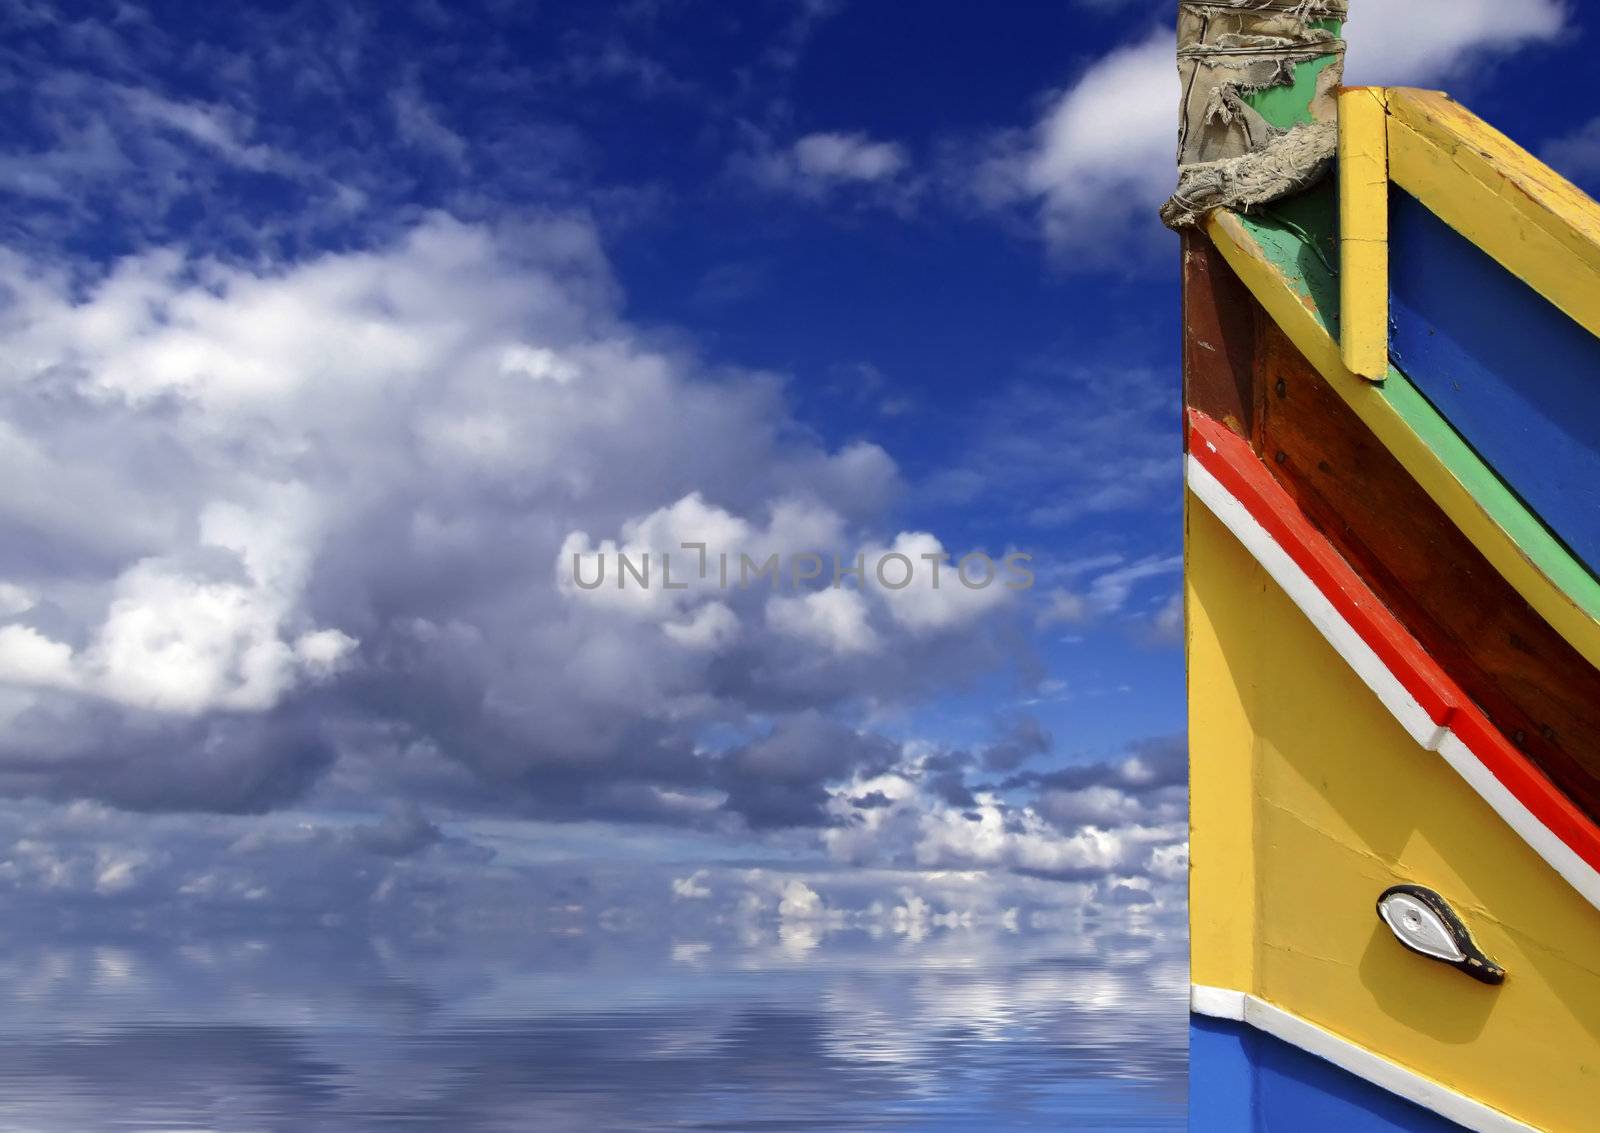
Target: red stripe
<point x="1544" y="800"/>
<point x="1229" y="458"/>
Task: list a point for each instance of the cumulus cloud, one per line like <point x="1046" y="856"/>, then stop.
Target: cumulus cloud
<point x="1121" y="819"/>
<point x="296" y="497"/>
<point x="687" y="566"/>
<point x="191" y="878"/>
<point x="257" y="517"/>
<point x="833" y="619"/>
<point x="927" y="589"/>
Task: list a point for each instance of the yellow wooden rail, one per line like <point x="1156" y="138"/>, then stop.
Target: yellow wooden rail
<point x="1534" y="222"/>
<point x="1364" y="232"/>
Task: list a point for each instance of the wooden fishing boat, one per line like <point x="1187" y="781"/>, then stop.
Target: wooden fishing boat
<point x="1392" y="425"/>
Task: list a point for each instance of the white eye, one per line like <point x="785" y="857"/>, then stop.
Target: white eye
<point x="1420" y="928"/>
<point x="1425" y="923"/>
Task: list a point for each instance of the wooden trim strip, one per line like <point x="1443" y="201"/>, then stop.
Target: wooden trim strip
<point x="1516" y="544"/>
<point x="1534" y="222"/>
<point x="1364" y="231"/>
<point x="1240" y="1007"/>
<point x="1225" y="475"/>
<point x="1219" y="337"/>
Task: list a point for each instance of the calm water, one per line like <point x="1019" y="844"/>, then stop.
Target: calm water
<point x="786" y="1027"/>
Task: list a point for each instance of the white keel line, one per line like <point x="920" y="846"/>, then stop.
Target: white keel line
<point x="1236" y="1006"/>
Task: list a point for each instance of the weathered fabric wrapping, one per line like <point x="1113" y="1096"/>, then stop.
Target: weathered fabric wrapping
<point x="1229" y="156"/>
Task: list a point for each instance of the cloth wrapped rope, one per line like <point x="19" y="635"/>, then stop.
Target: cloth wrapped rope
<point x="1229" y="155"/>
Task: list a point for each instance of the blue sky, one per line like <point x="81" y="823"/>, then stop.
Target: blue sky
<point x="331" y="331"/>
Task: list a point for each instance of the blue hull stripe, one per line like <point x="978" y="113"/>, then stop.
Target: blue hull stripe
<point x="1517" y="378"/>
<point x="1244" y="1081"/>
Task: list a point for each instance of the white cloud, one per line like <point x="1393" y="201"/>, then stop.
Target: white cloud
<point x="218" y="128"/>
<point x="323" y="652"/>
<point x="1170" y="863"/>
<point x="684" y="566"/>
<point x="992" y="836"/>
<point x="364" y="467"/>
<point x="1109" y="592"/>
<point x="29" y="659"/>
<point x="1424" y="41"/>
<point x="1102" y="154"/>
<point x="691" y="888"/>
<point x="800" y="902"/>
<point x="1101" y="806"/>
<point x="1105" y="825"/>
<point x="712" y="627"/>
<point x="16" y="599"/>
<point x="836" y="619"/>
<point x="935" y="598"/>
<point x="821" y="165"/>
<point x="177" y="639"/>
<point x="847" y="157"/>
<point x="657" y="570"/>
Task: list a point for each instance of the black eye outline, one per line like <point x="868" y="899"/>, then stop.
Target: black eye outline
<point x="1474" y="963"/>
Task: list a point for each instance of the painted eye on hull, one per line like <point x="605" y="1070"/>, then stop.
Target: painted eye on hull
<point x="1425" y="923"/>
<point x="1420" y="928"/>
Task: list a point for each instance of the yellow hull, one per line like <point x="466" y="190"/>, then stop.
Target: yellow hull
<point x="1308" y="800"/>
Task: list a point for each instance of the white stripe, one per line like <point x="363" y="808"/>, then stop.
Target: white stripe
<point x="1217" y="1002"/>
<point x="1357" y="1060"/>
<point x="1315" y="605"/>
<point x="1305" y="594"/>
<point x="1561" y="857"/>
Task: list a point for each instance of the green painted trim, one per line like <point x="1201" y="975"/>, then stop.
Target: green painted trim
<point x="1292" y="233"/>
<point x="1492" y="494"/>
<point x="1299" y="235"/>
<point x="1287" y="106"/>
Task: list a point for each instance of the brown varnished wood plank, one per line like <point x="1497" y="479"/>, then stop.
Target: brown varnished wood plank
<point x="1536" y="688"/>
<point x="1219" y="330"/>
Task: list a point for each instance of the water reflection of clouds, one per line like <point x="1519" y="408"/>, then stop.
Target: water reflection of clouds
<point x="340" y="1031"/>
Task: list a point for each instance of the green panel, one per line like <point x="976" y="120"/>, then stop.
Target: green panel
<point x="1299" y="235"/>
<point x="1287" y="106"/>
